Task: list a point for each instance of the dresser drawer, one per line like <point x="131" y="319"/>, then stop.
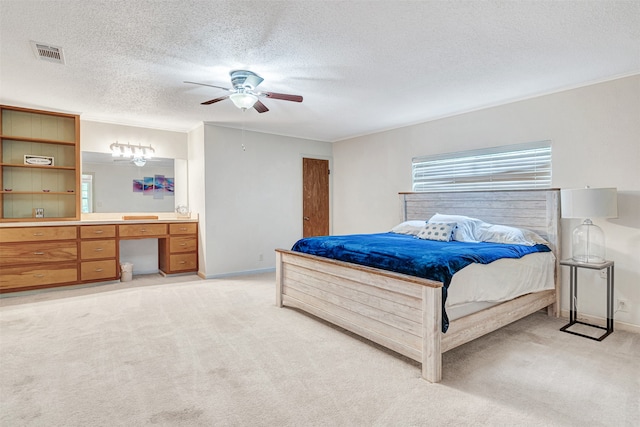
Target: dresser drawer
<point x="30" y="253"/>
<point x="94" y="249"/>
<point x="183" y="244"/>
<point x="142" y="230"/>
<point x="97" y="231"/>
<point x="189" y="228"/>
<point x="95" y="270"/>
<point x="183" y="262"/>
<point x="34" y="234"/>
<point x="21" y="277"/>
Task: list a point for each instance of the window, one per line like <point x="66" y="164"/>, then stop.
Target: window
<point x="86" y="193"/>
<point x="511" y="167"/>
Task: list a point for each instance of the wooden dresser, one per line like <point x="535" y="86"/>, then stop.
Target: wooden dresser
<point x="98" y="252"/>
<point x="33" y="257"/>
<point x="179" y="253"/>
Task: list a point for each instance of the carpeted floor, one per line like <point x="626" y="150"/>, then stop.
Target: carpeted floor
<point x="220" y="353"/>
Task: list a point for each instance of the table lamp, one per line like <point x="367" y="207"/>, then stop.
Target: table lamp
<point x="587" y="239"/>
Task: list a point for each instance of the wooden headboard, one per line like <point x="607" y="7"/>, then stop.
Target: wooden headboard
<point x="536" y="210"/>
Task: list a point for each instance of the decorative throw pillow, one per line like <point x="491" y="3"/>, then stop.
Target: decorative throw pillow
<point x="441" y="231"/>
<point x="467" y="228"/>
<point x="409" y="227"/>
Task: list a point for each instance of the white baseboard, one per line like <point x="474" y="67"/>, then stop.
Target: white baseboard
<point x="617" y="325"/>
<point x="237" y="273"/>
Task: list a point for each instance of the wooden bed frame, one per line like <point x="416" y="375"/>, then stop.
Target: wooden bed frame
<point x="404" y="313"/>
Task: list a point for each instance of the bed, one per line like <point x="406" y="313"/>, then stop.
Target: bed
<point x="405" y="313"/>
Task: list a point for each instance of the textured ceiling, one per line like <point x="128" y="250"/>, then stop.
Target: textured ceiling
<point x="362" y="66"/>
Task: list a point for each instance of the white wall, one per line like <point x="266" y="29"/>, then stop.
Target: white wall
<point x="595" y="134"/>
<point x="197" y="191"/>
<point x="253" y="197"/>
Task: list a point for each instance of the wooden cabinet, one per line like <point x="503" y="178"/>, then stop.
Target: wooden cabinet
<point x="98" y="253"/>
<point x="179" y="252"/>
<point x="36" y="276"/>
<point x="143" y="231"/>
<point x="37" y="234"/>
<point x="39" y="165"/>
<point x="33" y="257"/>
<point x="94" y="271"/>
<point x="97" y="231"/>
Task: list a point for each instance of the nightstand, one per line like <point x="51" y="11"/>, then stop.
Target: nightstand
<point x="573" y="296"/>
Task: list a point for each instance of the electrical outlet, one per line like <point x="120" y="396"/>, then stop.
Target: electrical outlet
<point x="260" y="257"/>
<point x="622" y="305"/>
<point x="603" y="273"/>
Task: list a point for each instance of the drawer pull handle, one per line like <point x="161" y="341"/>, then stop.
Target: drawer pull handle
<point x="99" y="231"/>
<point x="38" y="275"/>
<point x="38" y="234"/>
<point x="38" y="253"/>
<point x="99" y="249"/>
<point x="183" y="262"/>
<point x="142" y="230"/>
<point x="183" y="244"/>
<point x="183" y="228"/>
<point x="98" y="270"/>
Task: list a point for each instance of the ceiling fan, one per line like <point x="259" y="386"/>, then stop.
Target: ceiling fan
<point x="244" y="94"/>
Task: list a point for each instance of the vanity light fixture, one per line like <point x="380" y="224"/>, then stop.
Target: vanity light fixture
<point x="131" y="150"/>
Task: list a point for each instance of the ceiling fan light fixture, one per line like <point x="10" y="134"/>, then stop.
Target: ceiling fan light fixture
<point x="139" y="161"/>
<point x="243" y="100"/>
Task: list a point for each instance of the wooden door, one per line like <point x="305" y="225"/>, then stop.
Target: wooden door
<point x="315" y="200"/>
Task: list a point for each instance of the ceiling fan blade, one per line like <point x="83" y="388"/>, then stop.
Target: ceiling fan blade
<point x="260" y="107"/>
<point x="205" y="84"/>
<point x="212" y="101"/>
<point x="283" y="96"/>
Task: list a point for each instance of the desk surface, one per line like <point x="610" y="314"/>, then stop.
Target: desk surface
<point x="93" y="222"/>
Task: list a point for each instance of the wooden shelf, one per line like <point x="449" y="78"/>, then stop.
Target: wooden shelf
<point x="17" y="165"/>
<point x="39" y="133"/>
<point x="39" y="140"/>
<point x="66" y="193"/>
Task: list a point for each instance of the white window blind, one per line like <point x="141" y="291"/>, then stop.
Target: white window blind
<point x="511" y="167"/>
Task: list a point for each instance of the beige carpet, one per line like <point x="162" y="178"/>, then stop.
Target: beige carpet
<point x="219" y="353"/>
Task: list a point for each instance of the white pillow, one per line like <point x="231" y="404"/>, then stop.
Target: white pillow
<point x="467" y="229"/>
<point x="512" y="235"/>
<point x="440" y="231"/>
<point x="409" y="227"/>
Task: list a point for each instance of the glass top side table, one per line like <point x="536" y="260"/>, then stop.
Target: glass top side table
<point x="573" y="297"/>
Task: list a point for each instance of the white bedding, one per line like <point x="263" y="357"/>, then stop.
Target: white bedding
<point x="479" y="286"/>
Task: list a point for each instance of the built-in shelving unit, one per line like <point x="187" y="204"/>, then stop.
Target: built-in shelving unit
<point x="39" y="192"/>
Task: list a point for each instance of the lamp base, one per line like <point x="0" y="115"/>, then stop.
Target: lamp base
<point x="587" y="243"/>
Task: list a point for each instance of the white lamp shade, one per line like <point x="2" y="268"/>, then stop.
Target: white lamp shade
<point x="589" y="203"/>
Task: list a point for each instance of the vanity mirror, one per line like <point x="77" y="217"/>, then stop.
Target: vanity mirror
<point x="119" y="185"/>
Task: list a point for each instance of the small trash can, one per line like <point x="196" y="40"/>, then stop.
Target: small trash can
<point x="126" y="272"/>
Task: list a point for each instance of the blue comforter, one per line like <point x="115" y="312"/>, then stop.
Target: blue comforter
<point x="409" y="255"/>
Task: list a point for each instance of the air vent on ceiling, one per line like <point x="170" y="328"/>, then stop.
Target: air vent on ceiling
<point x="48" y="52"/>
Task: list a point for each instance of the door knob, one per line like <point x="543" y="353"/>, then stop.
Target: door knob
<point x="306" y="218"/>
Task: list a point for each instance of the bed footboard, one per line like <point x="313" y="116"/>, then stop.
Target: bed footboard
<point x="402" y="313"/>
